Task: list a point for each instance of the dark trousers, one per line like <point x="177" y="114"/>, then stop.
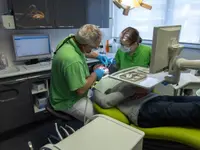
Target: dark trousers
<point x="170" y="111"/>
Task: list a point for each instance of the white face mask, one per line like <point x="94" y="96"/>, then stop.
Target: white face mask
<point x="125" y="49"/>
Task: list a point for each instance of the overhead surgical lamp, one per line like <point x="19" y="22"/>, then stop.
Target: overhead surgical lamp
<point x="127" y="5"/>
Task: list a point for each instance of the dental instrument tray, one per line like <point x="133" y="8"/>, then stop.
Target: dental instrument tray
<point x="138" y="76"/>
<point x="131" y="74"/>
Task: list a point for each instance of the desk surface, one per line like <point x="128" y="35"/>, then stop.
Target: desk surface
<point x="186" y="79"/>
<point x="21" y="70"/>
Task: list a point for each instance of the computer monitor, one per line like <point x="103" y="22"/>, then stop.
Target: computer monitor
<point x="163" y="38"/>
<point x="31" y="47"/>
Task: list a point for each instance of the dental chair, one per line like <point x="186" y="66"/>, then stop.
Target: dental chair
<point x="162" y="138"/>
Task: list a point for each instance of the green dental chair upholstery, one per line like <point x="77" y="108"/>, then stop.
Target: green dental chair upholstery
<point x="186" y="136"/>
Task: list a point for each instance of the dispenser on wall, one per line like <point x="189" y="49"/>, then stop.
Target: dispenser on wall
<point x="3" y="61"/>
<point x="8" y="21"/>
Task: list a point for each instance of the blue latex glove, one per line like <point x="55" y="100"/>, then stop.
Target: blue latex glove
<point x="112" y="61"/>
<point x="100" y="73"/>
<point x="103" y="59"/>
<point x="165" y="83"/>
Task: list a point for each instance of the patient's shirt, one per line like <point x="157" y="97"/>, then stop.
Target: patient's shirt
<point x="123" y="96"/>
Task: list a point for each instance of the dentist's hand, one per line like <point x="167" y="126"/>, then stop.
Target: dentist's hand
<point x="103" y="59"/>
<point x="99" y="73"/>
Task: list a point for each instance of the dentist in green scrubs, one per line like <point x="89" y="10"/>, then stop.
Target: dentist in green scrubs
<point x="70" y="77"/>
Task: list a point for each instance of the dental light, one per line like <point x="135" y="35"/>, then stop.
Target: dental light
<point x="127" y="5"/>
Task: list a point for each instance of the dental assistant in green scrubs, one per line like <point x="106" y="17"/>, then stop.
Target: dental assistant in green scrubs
<point x="132" y="52"/>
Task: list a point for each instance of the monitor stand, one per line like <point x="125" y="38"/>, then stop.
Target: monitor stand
<point x="32" y="62"/>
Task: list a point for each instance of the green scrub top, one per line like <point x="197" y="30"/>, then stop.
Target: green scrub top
<point x="69" y="73"/>
<point x="141" y="57"/>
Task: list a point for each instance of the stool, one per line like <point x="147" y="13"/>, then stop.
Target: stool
<point x="58" y="114"/>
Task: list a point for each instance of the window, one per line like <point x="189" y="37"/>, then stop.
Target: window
<point x="164" y="12"/>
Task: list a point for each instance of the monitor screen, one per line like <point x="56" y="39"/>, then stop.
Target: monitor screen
<point x="163" y="38"/>
<point x="31" y="46"/>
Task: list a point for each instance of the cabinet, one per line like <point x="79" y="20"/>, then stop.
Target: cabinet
<point x="33" y="13"/>
<point x="38" y="14"/>
<point x="39" y="86"/>
<point x="98" y="12"/>
<point x="15" y="104"/>
<point x="70" y="13"/>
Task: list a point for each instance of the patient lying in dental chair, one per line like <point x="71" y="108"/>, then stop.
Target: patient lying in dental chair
<point x="147" y="109"/>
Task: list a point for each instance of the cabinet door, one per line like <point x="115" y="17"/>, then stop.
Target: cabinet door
<point x="94" y="12"/>
<point x="98" y="12"/>
<point x="33" y="13"/>
<point x="70" y="13"/>
<point x="105" y="8"/>
<point x="16" y="107"/>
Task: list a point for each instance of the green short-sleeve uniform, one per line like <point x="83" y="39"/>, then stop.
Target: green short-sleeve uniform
<point x="141" y="57"/>
<point x="69" y="73"/>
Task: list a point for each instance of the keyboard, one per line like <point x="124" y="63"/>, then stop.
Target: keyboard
<point x="38" y="66"/>
<point x="9" y="70"/>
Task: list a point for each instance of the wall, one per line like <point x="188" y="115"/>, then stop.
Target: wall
<point x="58" y="34"/>
<point x="191" y="53"/>
<point x="55" y="34"/>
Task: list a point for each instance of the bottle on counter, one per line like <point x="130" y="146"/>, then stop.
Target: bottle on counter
<point x="101" y="50"/>
<point x="107" y="46"/>
<point x="115" y="45"/>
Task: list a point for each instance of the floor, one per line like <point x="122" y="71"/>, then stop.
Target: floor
<point x="37" y="133"/>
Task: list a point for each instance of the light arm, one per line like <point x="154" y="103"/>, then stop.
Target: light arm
<point x="188" y="64"/>
<point x="181" y="63"/>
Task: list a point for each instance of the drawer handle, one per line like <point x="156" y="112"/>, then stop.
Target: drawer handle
<point x="44" y="77"/>
<point x="40" y="76"/>
<point x="9" y="99"/>
<point x="15" y="81"/>
<point x="66" y="26"/>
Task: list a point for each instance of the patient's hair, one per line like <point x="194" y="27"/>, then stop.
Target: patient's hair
<point x="131" y="35"/>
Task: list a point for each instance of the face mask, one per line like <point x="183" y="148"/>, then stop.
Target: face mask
<point x="125" y="49"/>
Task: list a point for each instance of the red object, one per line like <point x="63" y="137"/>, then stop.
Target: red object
<point x="107" y="46"/>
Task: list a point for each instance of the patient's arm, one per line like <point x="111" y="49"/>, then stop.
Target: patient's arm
<point x="109" y="100"/>
<point x="116" y="95"/>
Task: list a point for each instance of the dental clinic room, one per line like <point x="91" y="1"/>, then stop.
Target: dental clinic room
<point x="99" y="75"/>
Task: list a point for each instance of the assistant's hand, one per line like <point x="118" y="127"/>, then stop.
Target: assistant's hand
<point x="99" y="73"/>
<point x="139" y="90"/>
<point x="165" y="83"/>
<point x="103" y="59"/>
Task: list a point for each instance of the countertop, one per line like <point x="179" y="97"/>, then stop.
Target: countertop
<point x="22" y="70"/>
